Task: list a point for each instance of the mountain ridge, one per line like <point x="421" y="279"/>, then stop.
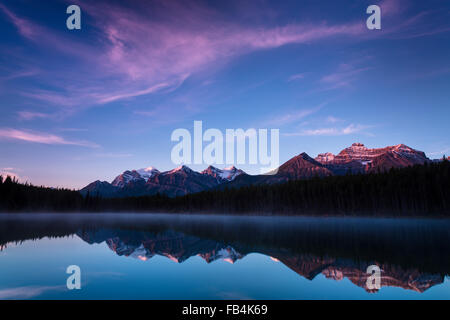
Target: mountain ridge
<point x="183" y="180"/>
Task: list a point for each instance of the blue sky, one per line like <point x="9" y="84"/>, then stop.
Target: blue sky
<point x="87" y="104"/>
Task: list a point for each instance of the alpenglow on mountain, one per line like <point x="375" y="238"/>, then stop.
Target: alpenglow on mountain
<point x="181" y="181"/>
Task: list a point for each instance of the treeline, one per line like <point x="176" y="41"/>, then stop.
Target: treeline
<point x="413" y="191"/>
<point x="18" y="197"/>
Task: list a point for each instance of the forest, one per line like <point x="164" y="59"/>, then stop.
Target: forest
<point x="422" y="190"/>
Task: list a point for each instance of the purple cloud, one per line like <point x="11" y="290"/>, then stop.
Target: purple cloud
<point x="135" y="56"/>
<point x="39" y="137"/>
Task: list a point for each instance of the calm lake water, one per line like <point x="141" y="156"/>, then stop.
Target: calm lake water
<point x="136" y="256"/>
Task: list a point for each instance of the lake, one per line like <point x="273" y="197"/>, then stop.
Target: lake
<point x="166" y="256"/>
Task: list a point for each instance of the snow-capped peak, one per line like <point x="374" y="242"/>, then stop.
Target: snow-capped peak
<point x="147" y="173"/>
<point x="133" y="175"/>
<point x="325" y="157"/>
<point x="228" y="174"/>
<point x="181" y="168"/>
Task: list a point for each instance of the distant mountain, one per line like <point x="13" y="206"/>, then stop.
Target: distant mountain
<point x="359" y="159"/>
<point x="303" y="167"/>
<point x="150" y="181"/>
<point x="354" y="159"/>
<point x="103" y="188"/>
<point x="181" y="181"/>
<point x="227" y="174"/>
<point x="299" y="167"/>
<point x="135" y="175"/>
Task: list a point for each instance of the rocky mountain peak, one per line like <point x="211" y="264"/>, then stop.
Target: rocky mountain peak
<point x="227" y="174"/>
<point x="181" y="169"/>
<point x="325" y="157"/>
<point x="357" y="144"/>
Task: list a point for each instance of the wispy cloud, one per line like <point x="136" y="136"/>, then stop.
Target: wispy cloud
<point x="168" y="114"/>
<point x="25" y="27"/>
<point x="20" y="74"/>
<point x="44" y="138"/>
<point x="143" y="48"/>
<point x="293" y="116"/>
<point x="132" y="55"/>
<point x="152" y="89"/>
<point x="393" y="7"/>
<point x="295" y="77"/>
<point x="73" y="129"/>
<point x="30" y="115"/>
<point x="45" y="37"/>
<point x="113" y="155"/>
<point x="350" y="129"/>
<point x="135" y="56"/>
<point x="406" y="26"/>
<point x="331" y="119"/>
<point x="146" y="113"/>
<point x="343" y="77"/>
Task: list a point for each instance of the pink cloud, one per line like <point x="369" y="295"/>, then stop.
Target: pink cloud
<point x="49" y="38"/>
<point x="145" y="52"/>
<point x="137" y="56"/>
<point x="56" y="98"/>
<point x="392" y="7"/>
<point x="39" y="137"/>
<point x="144" y="49"/>
<point x="25" y="27"/>
<point x="29" y="115"/>
<point x="134" y="55"/>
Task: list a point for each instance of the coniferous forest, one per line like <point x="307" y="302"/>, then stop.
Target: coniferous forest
<point x="413" y="191"/>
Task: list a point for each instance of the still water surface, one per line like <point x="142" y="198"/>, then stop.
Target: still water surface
<point x="136" y="256"/>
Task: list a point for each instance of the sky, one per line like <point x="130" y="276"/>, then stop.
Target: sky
<point x="84" y="105"/>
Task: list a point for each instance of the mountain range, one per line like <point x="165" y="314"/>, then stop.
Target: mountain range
<point x="150" y="181"/>
<point x="181" y="181"/>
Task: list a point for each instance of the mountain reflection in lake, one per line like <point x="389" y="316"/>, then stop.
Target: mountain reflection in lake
<point x="270" y="258"/>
